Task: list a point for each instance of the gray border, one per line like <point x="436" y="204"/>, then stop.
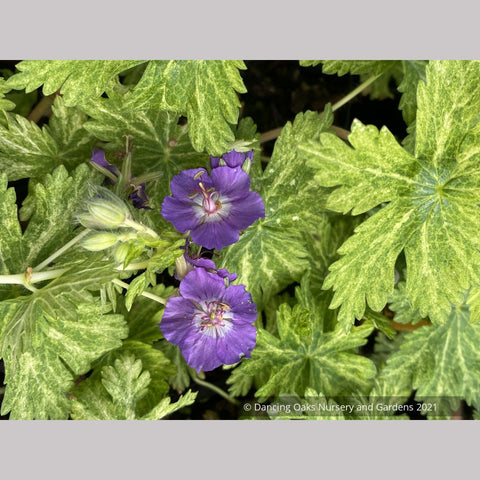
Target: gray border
<point x="235" y="449"/>
<point x="250" y="30"/>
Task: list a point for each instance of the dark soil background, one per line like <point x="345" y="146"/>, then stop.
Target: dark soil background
<point x="276" y="92"/>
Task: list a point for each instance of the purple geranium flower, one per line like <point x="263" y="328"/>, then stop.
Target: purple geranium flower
<point x="191" y="260"/>
<point x="232" y="159"/>
<point x="211" y="323"/>
<point x="138" y="195"/>
<point x="98" y="158"/>
<point x="214" y="208"/>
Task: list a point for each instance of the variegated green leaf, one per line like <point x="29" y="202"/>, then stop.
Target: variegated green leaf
<point x="128" y="383"/>
<point x="160" y="144"/>
<point x="432" y="215"/>
<point x="413" y="73"/>
<point x="401" y="305"/>
<point x="5" y="104"/>
<point x="448" y="115"/>
<point x="51" y="351"/>
<point x="78" y="80"/>
<point x="440" y="362"/>
<point x="27" y="150"/>
<point x="355" y="67"/>
<point x="204" y="91"/>
<point x="303" y="357"/>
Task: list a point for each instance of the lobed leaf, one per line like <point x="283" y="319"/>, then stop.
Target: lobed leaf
<point x="27" y="150"/>
<point x="5" y="104"/>
<point x="43" y="359"/>
<point x="204" y="91"/>
<point x="161" y="144"/>
<point x="130" y="384"/>
<point x="354" y="67"/>
<point x="433" y="214"/>
<point x="77" y="80"/>
<point x="448" y="116"/>
<point x="303" y="357"/>
<point x="440" y="362"/>
<point x="413" y="74"/>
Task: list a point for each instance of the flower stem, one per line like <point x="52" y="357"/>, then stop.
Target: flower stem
<point x="215" y="389"/>
<point x="355" y="92"/>
<point x="140" y="227"/>
<point x="62" y="250"/>
<point x="149" y="295"/>
<point x="42" y="107"/>
<point x="273" y="134"/>
<point x="132" y="267"/>
<point x="20" y="278"/>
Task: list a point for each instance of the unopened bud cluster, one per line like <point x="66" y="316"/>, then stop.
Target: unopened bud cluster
<point x="104" y="210"/>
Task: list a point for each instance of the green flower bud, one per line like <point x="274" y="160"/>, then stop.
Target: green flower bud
<point x="182" y="267"/>
<point x="99" y="241"/>
<point x="104" y="210"/>
<point x="106" y="214"/>
<point x="121" y="252"/>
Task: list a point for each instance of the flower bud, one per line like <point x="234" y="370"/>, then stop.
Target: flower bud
<point x="107" y="214"/>
<point x="246" y="165"/>
<point x="121" y="252"/>
<point x="182" y="267"/>
<point x="104" y="210"/>
<point x="100" y="241"/>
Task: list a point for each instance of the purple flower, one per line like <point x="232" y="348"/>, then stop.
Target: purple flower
<point x="191" y="260"/>
<point x="139" y="197"/>
<point x="137" y="194"/>
<point x="211" y="323"/>
<point x="98" y="158"/>
<point x="214" y="208"/>
<point x="232" y="159"/>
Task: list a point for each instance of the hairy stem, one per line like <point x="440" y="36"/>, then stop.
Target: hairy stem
<point x="62" y="250"/>
<point x="132" y="267"/>
<point x="215" y="389"/>
<point x="20" y="278"/>
<point x="149" y="295"/>
<point x="140" y="227"/>
<point x="273" y="134"/>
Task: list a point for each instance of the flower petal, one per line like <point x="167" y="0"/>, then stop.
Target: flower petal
<point x="200" y="353"/>
<point x="240" y="302"/>
<point x="224" y="273"/>
<point x="232" y="183"/>
<point x="177" y="320"/>
<point x="244" y="212"/>
<point x="180" y="213"/>
<point x="214" y="162"/>
<point x="98" y="157"/>
<point x="185" y="183"/>
<point x="139" y="197"/>
<point x="239" y="343"/>
<point x="215" y="234"/>
<point x="233" y="159"/>
<point x="200" y="285"/>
